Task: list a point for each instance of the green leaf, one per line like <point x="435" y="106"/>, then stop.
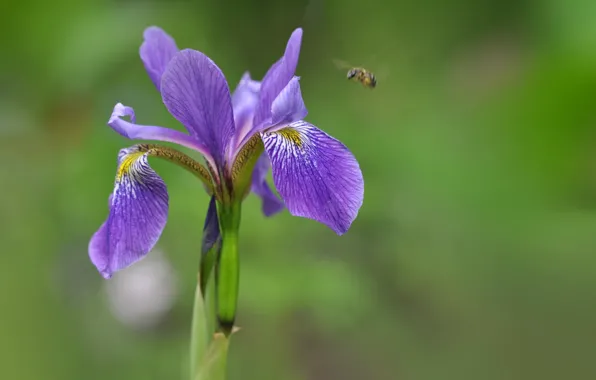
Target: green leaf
<point x="211" y="305"/>
<point x="213" y="366"/>
<point x="200" y="334"/>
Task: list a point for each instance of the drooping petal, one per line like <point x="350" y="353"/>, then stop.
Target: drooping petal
<point x="289" y="107"/>
<point x="134" y="131"/>
<point x="196" y="93"/>
<point x="271" y="204"/>
<point x="138" y="214"/>
<point x="278" y="77"/>
<point x="316" y="175"/>
<point x="244" y="103"/>
<point x="157" y="50"/>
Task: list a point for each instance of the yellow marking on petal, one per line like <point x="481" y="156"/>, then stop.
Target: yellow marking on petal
<point x="252" y="146"/>
<point x="137" y="151"/>
<point x="292" y="135"/>
<point x="244" y="164"/>
<point x="127" y="162"/>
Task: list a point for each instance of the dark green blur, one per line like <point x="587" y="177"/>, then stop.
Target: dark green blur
<point x="473" y="256"/>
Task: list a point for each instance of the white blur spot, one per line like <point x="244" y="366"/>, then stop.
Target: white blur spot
<point x="141" y="295"/>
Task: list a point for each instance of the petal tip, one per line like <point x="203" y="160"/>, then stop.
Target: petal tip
<point x="341" y="229"/>
<point x="294" y="44"/>
<point x="105" y="274"/>
<point x="153" y="29"/>
<point x="119" y="111"/>
<point x="272" y="207"/>
<point x="297" y="33"/>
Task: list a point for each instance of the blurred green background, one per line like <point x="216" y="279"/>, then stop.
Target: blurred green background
<point x="472" y="256"/>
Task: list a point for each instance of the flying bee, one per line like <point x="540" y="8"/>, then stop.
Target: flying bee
<point x="359" y="74"/>
<point x="363" y="76"/>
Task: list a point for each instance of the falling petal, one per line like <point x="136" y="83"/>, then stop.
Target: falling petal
<point x="138" y="215"/>
<point x="271" y="202"/>
<point x="316" y="175"/>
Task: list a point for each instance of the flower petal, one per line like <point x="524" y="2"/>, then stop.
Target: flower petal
<point x="211" y="232"/>
<point x="196" y="93"/>
<point x="156" y="51"/>
<point x="133" y="131"/>
<point x="315" y="174"/>
<point x="289" y="107"/>
<point x="278" y="77"/>
<point x="211" y="245"/>
<point x="271" y="203"/>
<point x="138" y="214"/>
<point x="247" y="92"/>
<point x="244" y="103"/>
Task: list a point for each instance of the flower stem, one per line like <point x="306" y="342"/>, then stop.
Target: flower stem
<point x="228" y="268"/>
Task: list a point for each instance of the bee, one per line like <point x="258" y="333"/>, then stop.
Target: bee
<point x="363" y="76"/>
<point x="359" y="74"/>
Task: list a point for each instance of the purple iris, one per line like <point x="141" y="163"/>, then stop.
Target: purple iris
<point x="315" y="174"/>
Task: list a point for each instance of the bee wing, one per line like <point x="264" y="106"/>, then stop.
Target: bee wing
<point x="342" y="64"/>
<point x="381" y="72"/>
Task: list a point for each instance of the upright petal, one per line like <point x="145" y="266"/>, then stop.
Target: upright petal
<point x="247" y="92"/>
<point x="244" y="103"/>
<point x="271" y="203"/>
<point x="138" y="214"/>
<point x="288" y="107"/>
<point x="196" y="93"/>
<point x="315" y="174"/>
<point x="157" y="50"/>
<point x="278" y="77"/>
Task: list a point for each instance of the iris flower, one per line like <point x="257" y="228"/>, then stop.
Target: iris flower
<point x="240" y="135"/>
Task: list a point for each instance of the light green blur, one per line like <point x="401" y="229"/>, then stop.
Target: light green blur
<point x="473" y="256"/>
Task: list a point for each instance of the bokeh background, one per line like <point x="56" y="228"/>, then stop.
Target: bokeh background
<point x="472" y="256"/>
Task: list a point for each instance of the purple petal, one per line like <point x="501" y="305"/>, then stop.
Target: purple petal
<point x="211" y="228"/>
<point x="278" y="77"/>
<point x="247" y="91"/>
<point x="289" y="107"/>
<point x="271" y="203"/>
<point x="315" y="174"/>
<point x="196" y="93"/>
<point x="244" y="102"/>
<point x="156" y="52"/>
<point x="134" y="131"/>
<point x="138" y="214"/>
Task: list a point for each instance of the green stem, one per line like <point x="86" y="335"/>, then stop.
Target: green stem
<point x="228" y="267"/>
